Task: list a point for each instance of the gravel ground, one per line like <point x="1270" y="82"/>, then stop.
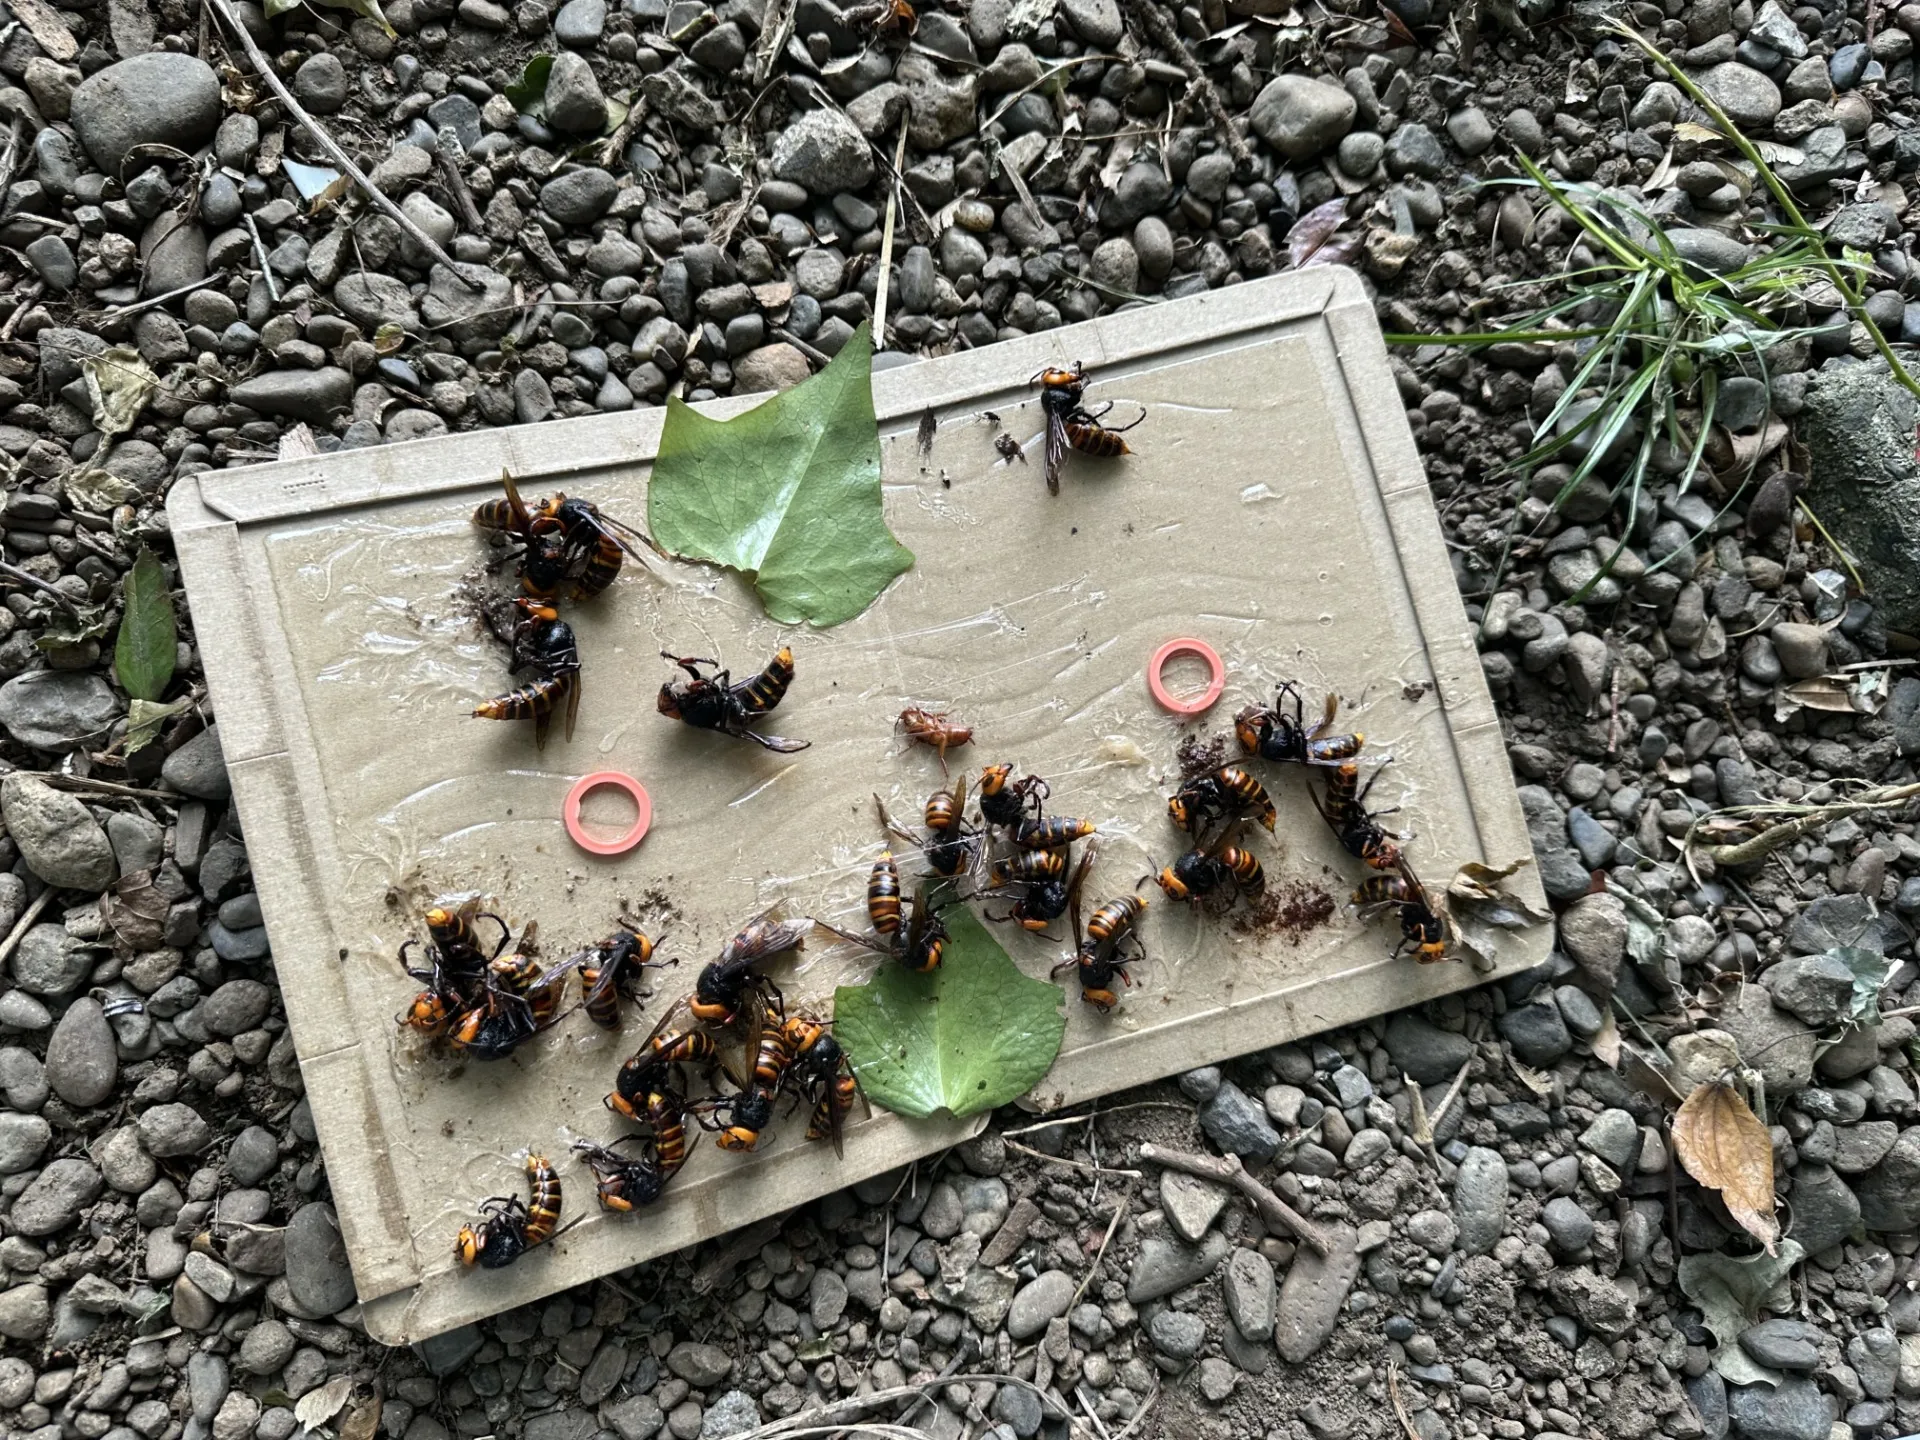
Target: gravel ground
<point x="169" y="1265"/>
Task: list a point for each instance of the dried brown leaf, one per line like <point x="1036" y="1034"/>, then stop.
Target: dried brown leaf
<point x="1606" y="1042"/>
<point x="1313" y="229"/>
<point x="136" y="911"/>
<point x="364" y="1422"/>
<point x="1725" y="1147"/>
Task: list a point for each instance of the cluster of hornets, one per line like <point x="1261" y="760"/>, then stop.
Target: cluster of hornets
<point x="481" y="1003"/>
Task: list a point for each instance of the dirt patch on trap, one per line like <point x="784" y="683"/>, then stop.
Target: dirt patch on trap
<point x="1292" y="910"/>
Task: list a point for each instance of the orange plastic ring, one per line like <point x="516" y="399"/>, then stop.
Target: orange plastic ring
<point x="1216" y="680"/>
<point x="570" y="812"/>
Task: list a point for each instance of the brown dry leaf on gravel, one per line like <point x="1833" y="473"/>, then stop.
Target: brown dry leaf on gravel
<point x="1726" y="1148"/>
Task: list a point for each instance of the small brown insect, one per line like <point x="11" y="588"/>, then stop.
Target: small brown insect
<point x="932" y="727"/>
<point x="1010" y="449"/>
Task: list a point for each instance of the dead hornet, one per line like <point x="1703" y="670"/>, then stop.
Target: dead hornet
<point x="1423" y="929"/>
<point x="885" y="16"/>
<point x="1272" y="734"/>
<point x="726" y="985"/>
<point x="919" y="940"/>
<point x="932" y="728"/>
<point x="562" y="539"/>
<point x="1345" y="810"/>
<point x="1047" y="891"/>
<point x="627" y="1182"/>
<point x="714" y="702"/>
<point x="1203" y="870"/>
<point x="610" y="971"/>
<point x="1006" y="802"/>
<point x="822" y="1076"/>
<point x="455" y="970"/>
<point x="1228" y="792"/>
<point x="1070" y="426"/>
<point x="676" y="1040"/>
<point x="544" y="644"/>
<point x="509" y="1226"/>
<point x="741" y="1118"/>
<point x="520" y="1000"/>
<point x="950" y="846"/>
<point x="1099" y="957"/>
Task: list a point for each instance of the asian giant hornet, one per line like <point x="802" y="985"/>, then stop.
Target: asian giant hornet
<point x="1098" y="956"/>
<point x="885" y="16"/>
<point x="625" y="1182"/>
<point x="922" y="940"/>
<point x="1202" y="871"/>
<point x="1048" y="890"/>
<point x="1273" y="734"/>
<point x="452" y="932"/>
<point x="715" y="702"/>
<point x="562" y="539"/>
<point x="1345" y="810"/>
<point x="1423" y="929"/>
<point x="1070" y="426"/>
<point x="933" y="729"/>
<point x="741" y="1118"/>
<point x="455" y="969"/>
<point x="544" y="644"/>
<point x="649" y="1068"/>
<point x="611" y="970"/>
<point x="725" y="985"/>
<point x="1005" y="802"/>
<point x="823" y="1077"/>
<point x="1228" y="791"/>
<point x="447" y="993"/>
<point x="519" y="1001"/>
<point x="509" y="1227"/>
<point x="951" y="846"/>
<point x="1050" y="832"/>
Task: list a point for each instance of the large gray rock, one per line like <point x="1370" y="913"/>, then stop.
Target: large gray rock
<point x="824" y="151"/>
<point x="1750" y="99"/>
<point x="468" y="315"/>
<point x="1165" y="1265"/>
<point x="1858" y="427"/>
<point x="82" y="1062"/>
<point x="1480" y="1199"/>
<point x="159" y="98"/>
<point x="1313" y="1295"/>
<point x="575" y="104"/>
<point x="1300" y="116"/>
<point x="58" y="709"/>
<point x="317" y="1271"/>
<point x="58" y="837"/>
<point x="1890" y="1194"/>
<point x="310" y="395"/>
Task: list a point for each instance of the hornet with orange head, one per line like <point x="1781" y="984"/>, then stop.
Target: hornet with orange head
<point x="822" y="1075"/>
<point x="1424" y="932"/>
<point x="544" y="644"/>
<point x="509" y="1227"/>
<point x="726" y="985"/>
<point x="1205" y="870"/>
<point x="1047" y="892"/>
<point x="742" y="1118"/>
<point x="1069" y="424"/>
<point x="1005" y="801"/>
<point x="913" y="934"/>
<point x="1271" y="733"/>
<point x="715" y="702"/>
<point x="1345" y="811"/>
<point x="563" y="539"/>
<point x="1226" y="792"/>
<point x="950" y="846"/>
<point x="1099" y="957"/>
<point x="627" y="1182"/>
<point x="610" y="972"/>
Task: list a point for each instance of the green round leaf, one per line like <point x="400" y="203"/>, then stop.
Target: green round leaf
<point x="974" y="1034"/>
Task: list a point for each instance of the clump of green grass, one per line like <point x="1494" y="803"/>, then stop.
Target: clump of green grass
<point x="1656" y="334"/>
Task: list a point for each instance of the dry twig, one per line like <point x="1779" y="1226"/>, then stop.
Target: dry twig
<point x="1228" y="1170"/>
<point x="264" y="68"/>
<point x="1166" y="35"/>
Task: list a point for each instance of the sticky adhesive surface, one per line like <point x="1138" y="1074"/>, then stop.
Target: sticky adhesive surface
<point x="1274" y="504"/>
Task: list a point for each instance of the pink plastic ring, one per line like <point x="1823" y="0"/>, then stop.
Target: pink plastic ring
<point x="570" y="812"/>
<point x="1216" y="679"/>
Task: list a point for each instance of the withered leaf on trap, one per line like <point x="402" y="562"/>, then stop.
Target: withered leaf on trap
<point x="1480" y="905"/>
<point x="1726" y="1148"/>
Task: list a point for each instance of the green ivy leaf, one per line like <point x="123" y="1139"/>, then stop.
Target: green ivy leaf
<point x="974" y="1034"/>
<point x="788" y="493"/>
<point x="1870" y="970"/>
<point x="529" y="92"/>
<point x="143" y="654"/>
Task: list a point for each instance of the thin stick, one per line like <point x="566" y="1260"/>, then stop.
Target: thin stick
<point x="1074" y="1164"/>
<point x="447" y="150"/>
<point x="120" y="312"/>
<point x="24" y="923"/>
<point x="1080" y="1394"/>
<point x="27" y="299"/>
<point x="886" y="244"/>
<point x="1167" y="36"/>
<point x="1103" y="1114"/>
<point x="1105" y="1240"/>
<point x="1228" y="1170"/>
<point x="1446" y="1101"/>
<point x="1399" y="1405"/>
<point x="260" y="254"/>
<point x="264" y="68"/>
<point x="98" y="787"/>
